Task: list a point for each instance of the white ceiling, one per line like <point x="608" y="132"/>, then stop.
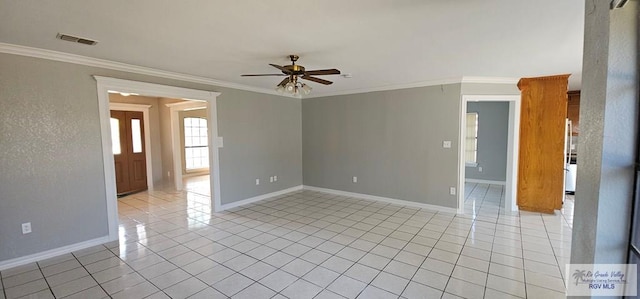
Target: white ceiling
<point x="382" y="43"/>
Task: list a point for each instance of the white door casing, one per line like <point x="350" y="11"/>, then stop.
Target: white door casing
<point x="512" y="147"/>
<point x="104" y="84"/>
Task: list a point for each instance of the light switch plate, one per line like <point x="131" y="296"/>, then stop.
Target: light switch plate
<point x="446" y="144"/>
<point x="220" y="142"/>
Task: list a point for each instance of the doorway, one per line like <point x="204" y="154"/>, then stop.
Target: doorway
<point x="104" y="85"/>
<point x="129" y="154"/>
<point x="512" y="147"/>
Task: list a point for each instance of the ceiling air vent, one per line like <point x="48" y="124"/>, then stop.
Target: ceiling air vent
<point x="75" y="39"/>
<point x="618" y="3"/>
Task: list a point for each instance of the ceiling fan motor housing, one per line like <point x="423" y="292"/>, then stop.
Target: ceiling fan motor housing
<point x="294" y="69"/>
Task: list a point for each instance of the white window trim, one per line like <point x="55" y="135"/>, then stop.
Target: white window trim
<point x="195" y="171"/>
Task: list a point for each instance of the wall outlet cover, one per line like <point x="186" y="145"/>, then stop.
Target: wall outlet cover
<point x="257" y="181"/>
<point x="446" y="144"/>
<point x="355" y="179"/>
<point x="275" y="178"/>
<point x="452" y="190"/>
<point x="26" y="228"/>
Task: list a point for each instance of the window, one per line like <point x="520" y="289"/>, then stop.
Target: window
<point x="136" y="135"/>
<point x="115" y="136"/>
<point x="471" y="142"/>
<point x="196" y="148"/>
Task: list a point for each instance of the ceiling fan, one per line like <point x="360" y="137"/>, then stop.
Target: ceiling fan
<point x="294" y="72"/>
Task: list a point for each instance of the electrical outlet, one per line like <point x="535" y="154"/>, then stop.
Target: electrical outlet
<point x="479" y="168"/>
<point x="275" y="178"/>
<point x="452" y="190"/>
<point x="355" y="179"/>
<point x="26" y="228"/>
<point x="270" y="179"/>
<point x="168" y="174"/>
<point x="257" y="181"/>
<point x="446" y="144"/>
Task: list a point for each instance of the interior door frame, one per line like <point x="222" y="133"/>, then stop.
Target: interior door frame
<point x="104" y="84"/>
<point x="513" y="141"/>
<point x="175" y="109"/>
<point x="147" y="133"/>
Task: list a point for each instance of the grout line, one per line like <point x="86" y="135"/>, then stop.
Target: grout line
<point x="4" y="292"/>
<point x="524" y="266"/>
<point x="43" y="277"/>
<point x="94" y="279"/>
<point x="163" y="214"/>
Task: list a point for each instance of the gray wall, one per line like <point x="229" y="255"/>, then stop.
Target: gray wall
<point x="493" y="129"/>
<point x="165" y="137"/>
<point x="51" y="153"/>
<point x="262" y="138"/>
<point x="390" y="140"/>
<point x="608" y="133"/>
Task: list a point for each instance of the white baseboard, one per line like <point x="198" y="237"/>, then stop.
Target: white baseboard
<point x="259" y="198"/>
<point x="485" y="182"/>
<point x="384" y="199"/>
<point x="51" y="253"/>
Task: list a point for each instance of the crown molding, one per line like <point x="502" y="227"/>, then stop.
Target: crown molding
<point x="387" y="87"/>
<point x="490" y="80"/>
<point x="119" y="66"/>
<point x="486" y="80"/>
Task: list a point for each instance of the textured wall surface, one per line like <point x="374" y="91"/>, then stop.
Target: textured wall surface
<point x="493" y="128"/>
<point x="50" y="157"/>
<point x="390" y="140"/>
<point x="608" y="133"/>
<point x="262" y="138"/>
<point x="51" y="170"/>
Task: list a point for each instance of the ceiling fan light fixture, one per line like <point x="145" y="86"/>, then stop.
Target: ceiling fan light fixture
<point x="280" y="88"/>
<point x="306" y="89"/>
<point x="290" y="87"/>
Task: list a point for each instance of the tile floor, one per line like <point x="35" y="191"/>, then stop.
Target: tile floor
<point x="310" y="245"/>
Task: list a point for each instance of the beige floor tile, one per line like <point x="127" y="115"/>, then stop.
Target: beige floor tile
<point x="306" y="244"/>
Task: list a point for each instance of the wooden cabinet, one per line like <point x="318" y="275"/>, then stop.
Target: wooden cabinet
<point x="541" y="155"/>
<point x="573" y="111"/>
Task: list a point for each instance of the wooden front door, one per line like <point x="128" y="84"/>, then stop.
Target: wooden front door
<point x="127" y="133"/>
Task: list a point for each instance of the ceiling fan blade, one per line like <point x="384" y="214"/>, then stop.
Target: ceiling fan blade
<point x="283" y="82"/>
<point x="317" y="80"/>
<point x="282" y="68"/>
<point x="323" y="72"/>
<point x="258" y="75"/>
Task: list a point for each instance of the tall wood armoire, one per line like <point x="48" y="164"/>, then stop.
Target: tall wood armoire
<point x="542" y="143"/>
